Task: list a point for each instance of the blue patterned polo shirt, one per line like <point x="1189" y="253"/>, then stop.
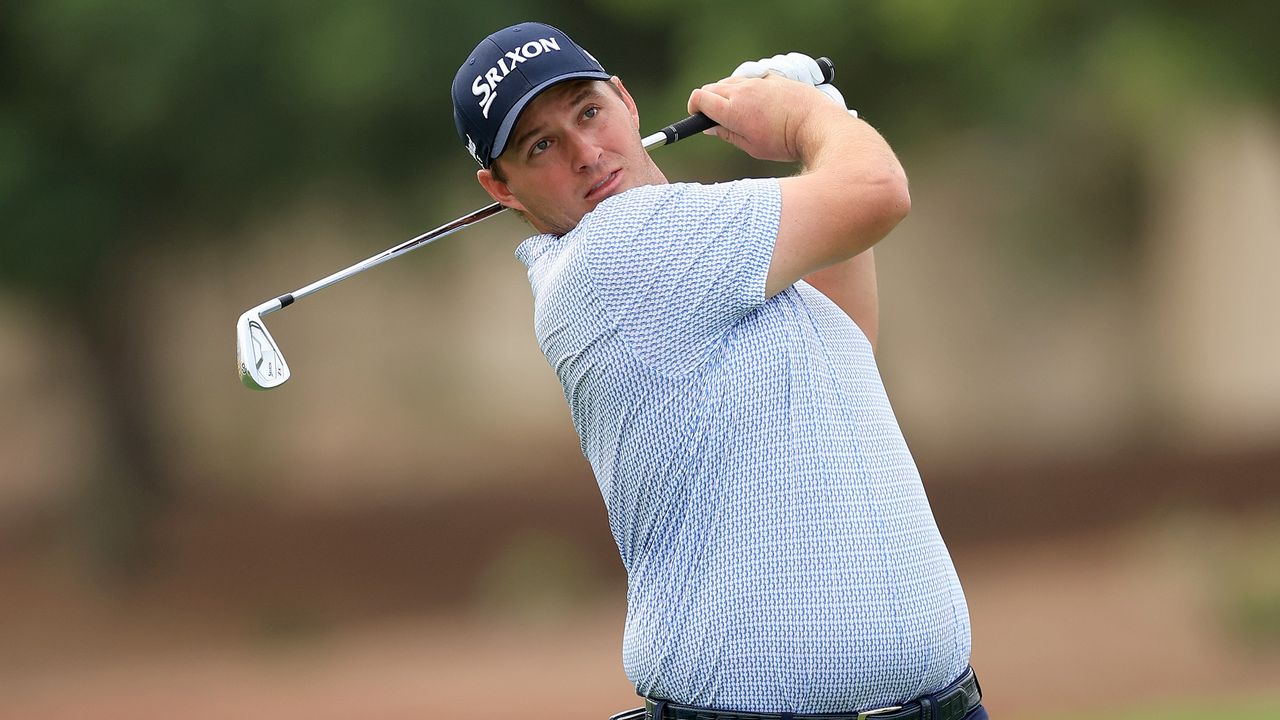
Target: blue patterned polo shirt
<point x="780" y="552"/>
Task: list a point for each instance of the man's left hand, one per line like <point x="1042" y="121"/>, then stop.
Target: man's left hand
<point x="794" y="66"/>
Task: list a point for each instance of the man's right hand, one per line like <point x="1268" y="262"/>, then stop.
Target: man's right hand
<point x="770" y="118"/>
<point x="853" y="190"/>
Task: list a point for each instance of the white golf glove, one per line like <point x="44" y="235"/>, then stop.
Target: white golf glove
<point x="794" y="66"/>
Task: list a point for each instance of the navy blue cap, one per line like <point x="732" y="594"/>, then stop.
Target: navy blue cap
<point x="505" y="72"/>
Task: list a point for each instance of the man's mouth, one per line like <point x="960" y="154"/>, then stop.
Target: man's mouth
<point x="602" y="188"/>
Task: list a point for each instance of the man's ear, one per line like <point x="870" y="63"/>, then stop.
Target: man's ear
<point x="627" y="100"/>
<point x="497" y="189"/>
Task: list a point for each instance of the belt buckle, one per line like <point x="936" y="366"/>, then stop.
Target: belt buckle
<point x="878" y="711"/>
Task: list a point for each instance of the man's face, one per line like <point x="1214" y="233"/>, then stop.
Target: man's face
<point x="573" y="146"/>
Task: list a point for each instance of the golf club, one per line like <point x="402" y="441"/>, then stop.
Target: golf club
<point x="262" y="365"/>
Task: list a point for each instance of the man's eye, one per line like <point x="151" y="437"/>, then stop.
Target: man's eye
<point x="591" y="111"/>
<point x="538" y="147"/>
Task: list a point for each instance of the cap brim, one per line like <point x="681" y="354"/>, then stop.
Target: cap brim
<point x="509" y="122"/>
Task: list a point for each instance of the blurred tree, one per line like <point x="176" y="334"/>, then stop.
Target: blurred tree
<point x="123" y="122"/>
<point x="1082" y="93"/>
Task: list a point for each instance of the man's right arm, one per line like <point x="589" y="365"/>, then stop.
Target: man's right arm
<point x="852" y="191"/>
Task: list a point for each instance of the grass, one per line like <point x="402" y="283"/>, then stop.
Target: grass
<point x="1255" y="708"/>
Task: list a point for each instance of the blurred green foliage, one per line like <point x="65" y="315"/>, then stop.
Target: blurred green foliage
<point x="125" y="121"/>
<point x="1246" y="584"/>
<point x="131" y="125"/>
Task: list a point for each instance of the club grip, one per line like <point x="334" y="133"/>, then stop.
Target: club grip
<point x="698" y="122"/>
<point x="828" y="69"/>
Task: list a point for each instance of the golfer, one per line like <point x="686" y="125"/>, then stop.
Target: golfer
<point x="715" y="344"/>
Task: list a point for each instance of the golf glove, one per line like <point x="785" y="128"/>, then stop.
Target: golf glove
<point x="794" y="66"/>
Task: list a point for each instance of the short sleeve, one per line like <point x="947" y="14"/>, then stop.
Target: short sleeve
<point x="677" y="266"/>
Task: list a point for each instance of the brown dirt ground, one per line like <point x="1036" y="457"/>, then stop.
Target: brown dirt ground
<point x="261" y="612"/>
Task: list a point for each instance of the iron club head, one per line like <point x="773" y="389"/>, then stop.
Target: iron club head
<point x="262" y="365"/>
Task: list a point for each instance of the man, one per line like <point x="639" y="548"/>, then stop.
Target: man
<point x="715" y="344"/>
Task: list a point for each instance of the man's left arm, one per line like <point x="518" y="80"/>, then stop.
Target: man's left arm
<point x="851" y="285"/>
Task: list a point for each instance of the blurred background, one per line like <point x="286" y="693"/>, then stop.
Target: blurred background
<point x="1079" y="335"/>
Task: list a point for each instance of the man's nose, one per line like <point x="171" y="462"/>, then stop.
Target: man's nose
<point x="585" y="151"/>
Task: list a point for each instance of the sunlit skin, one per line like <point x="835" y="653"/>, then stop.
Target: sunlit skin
<point x="573" y="146"/>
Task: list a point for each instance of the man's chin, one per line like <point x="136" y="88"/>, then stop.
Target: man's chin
<point x="560" y="226"/>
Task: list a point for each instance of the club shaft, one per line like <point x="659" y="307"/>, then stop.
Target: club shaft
<point x="422" y="240"/>
<point x="691" y="125"/>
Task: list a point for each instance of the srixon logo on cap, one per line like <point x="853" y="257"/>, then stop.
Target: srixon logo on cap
<point x="485" y="86"/>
